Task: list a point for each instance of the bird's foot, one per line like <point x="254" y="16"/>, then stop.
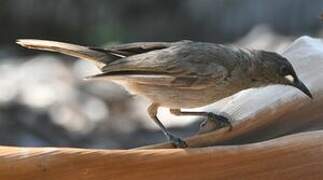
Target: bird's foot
<point x="176" y="141"/>
<point x="214" y="122"/>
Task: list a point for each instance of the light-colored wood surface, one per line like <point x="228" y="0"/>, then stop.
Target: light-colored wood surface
<point x="293" y="157"/>
<point x="258" y="115"/>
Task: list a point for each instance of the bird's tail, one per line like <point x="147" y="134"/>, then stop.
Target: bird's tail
<point x="99" y="56"/>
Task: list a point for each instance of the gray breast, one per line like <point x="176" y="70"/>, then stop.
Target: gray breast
<point x="183" y="97"/>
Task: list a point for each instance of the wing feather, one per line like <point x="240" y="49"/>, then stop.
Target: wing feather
<point x="187" y="67"/>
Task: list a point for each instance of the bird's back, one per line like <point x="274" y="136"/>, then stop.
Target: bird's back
<point x="173" y="74"/>
<point x="185" y="74"/>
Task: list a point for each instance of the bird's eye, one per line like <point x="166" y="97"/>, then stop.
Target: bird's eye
<point x="284" y="71"/>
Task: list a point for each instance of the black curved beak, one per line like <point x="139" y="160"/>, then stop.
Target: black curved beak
<point x="301" y="86"/>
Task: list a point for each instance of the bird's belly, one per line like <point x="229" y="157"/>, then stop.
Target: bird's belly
<point x="173" y="97"/>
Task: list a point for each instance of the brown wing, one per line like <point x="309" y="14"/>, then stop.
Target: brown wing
<point x="125" y="50"/>
<point x="181" y="65"/>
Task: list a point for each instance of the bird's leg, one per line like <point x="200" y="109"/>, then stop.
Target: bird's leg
<point x="152" y="111"/>
<point x="218" y="120"/>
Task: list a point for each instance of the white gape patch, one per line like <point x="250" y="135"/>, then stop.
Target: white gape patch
<point x="290" y="78"/>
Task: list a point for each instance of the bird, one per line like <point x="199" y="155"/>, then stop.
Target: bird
<point x="181" y="74"/>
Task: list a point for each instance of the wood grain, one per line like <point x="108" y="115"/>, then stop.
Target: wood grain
<point x="293" y="157"/>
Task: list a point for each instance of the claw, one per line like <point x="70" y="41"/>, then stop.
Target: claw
<point x="177" y="142"/>
<point x="214" y="122"/>
<point x="220" y="120"/>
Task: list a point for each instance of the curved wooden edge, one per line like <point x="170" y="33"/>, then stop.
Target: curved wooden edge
<point x="291" y="157"/>
<point x="273" y="111"/>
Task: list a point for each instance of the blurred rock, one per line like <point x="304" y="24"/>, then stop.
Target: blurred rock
<point x="43" y="92"/>
<point x="38" y="80"/>
<point x="8" y="81"/>
<point x="263" y="37"/>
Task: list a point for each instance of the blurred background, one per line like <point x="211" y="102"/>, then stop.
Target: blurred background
<point x="44" y="100"/>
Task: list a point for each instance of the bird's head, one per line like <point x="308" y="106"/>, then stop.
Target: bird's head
<point x="276" y="69"/>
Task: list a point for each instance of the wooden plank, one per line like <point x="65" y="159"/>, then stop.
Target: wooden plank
<point x="292" y="157"/>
